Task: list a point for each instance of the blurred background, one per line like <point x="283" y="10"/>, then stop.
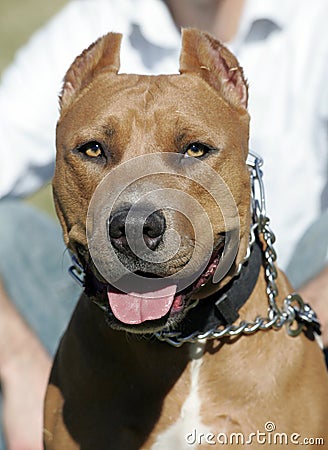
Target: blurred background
<point x="18" y="20"/>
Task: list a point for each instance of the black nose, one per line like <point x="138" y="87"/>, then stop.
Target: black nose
<point x="153" y="227"/>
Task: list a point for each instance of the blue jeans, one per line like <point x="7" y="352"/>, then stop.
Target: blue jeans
<point x="33" y="268"/>
<point x="310" y="254"/>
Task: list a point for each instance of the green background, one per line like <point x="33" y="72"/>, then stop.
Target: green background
<point x="18" y="20"/>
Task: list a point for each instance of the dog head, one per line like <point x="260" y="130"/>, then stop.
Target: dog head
<point x="151" y="182"/>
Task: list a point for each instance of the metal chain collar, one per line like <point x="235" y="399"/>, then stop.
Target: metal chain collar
<point x="294" y="314"/>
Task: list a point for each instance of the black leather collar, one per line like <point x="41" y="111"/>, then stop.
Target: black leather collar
<point x="222" y="307"/>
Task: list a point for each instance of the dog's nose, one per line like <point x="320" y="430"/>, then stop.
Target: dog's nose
<point x="153" y="227"/>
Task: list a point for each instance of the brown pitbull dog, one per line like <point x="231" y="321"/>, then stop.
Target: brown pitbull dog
<point x="186" y="336"/>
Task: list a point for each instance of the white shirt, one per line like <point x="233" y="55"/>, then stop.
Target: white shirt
<point x="283" y="47"/>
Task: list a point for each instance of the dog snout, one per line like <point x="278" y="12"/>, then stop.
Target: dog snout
<point x="125" y="225"/>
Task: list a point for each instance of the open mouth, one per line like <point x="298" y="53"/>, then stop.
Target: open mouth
<point x="160" y="308"/>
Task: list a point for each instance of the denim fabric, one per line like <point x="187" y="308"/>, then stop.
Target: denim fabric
<point x="310" y="254"/>
<point x="33" y="267"/>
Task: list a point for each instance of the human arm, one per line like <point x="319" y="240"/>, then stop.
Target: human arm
<point x="315" y="291"/>
<point x="24" y="372"/>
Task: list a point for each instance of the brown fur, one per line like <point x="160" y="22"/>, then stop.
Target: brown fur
<point x="112" y="390"/>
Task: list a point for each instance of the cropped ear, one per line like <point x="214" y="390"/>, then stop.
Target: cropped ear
<point x="212" y="61"/>
<point x="102" y="55"/>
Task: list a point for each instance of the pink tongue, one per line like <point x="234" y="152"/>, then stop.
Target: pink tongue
<point x="135" y="308"/>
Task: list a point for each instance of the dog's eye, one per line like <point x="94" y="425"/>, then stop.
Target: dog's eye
<point x="91" y="149"/>
<point x="196" y="150"/>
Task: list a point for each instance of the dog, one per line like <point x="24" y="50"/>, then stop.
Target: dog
<point x="171" y="345"/>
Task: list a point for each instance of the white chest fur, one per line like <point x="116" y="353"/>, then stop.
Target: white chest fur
<point x="175" y="437"/>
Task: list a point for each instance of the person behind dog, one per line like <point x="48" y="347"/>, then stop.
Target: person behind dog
<point x="283" y="50"/>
